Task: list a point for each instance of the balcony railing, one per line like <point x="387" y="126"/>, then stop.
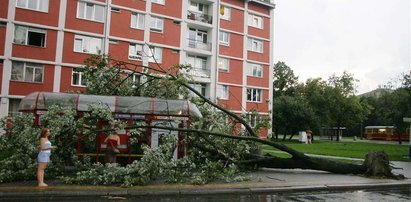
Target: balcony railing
<point x="201" y="17"/>
<point x="193" y="43"/>
<point x="197" y="72"/>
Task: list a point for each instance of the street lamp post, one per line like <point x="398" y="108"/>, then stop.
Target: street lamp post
<point x="408" y="120"/>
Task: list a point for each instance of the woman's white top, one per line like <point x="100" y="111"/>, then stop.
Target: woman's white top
<point x="47" y="145"/>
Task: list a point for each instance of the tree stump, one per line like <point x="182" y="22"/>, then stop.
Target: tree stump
<point x="378" y="165"/>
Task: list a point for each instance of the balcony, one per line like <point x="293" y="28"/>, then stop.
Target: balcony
<point x="197" y="72"/>
<point x="194" y="43"/>
<point x="201" y="17"/>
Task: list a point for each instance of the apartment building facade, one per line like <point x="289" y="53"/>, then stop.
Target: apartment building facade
<point x="228" y="44"/>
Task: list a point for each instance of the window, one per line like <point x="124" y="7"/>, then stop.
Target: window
<point x="255" y="70"/>
<point x="158" y="1"/>
<point x="198" y="35"/>
<point x="223" y="64"/>
<point x="137" y="20"/>
<point x="255" y="21"/>
<point x="155" y="55"/>
<point x="90" y="11"/>
<point x="200" y="87"/>
<point x="254" y="95"/>
<point x="134" y="80"/>
<point x="197" y="62"/>
<point x="135" y="51"/>
<point x="223" y="92"/>
<point x="224" y="38"/>
<point x="198" y="7"/>
<point x="252" y="119"/>
<point x="38" y="5"/>
<point x="255" y="45"/>
<point x="30" y="36"/>
<point x="225" y="13"/>
<point x="77" y="78"/>
<point x="85" y="44"/>
<point x="156" y="24"/>
<point x="28" y="72"/>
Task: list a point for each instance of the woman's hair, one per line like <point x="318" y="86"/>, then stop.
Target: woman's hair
<point x="44" y="132"/>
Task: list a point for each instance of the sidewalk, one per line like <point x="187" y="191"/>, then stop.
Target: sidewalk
<point x="262" y="181"/>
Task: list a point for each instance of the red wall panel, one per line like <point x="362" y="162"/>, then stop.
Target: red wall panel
<point x="259" y="107"/>
<point x="261" y="57"/>
<point x="24" y="88"/>
<point x="2" y="39"/>
<point x="234" y="75"/>
<point x="169" y="59"/>
<point x="136" y="4"/>
<point x="65" y="81"/>
<point x="120" y="26"/>
<point x="120" y="52"/>
<point x="72" y="22"/>
<point x="236" y="23"/>
<point x="239" y="3"/>
<point x="4" y="5"/>
<point x="50" y="18"/>
<point x="170" y="36"/>
<point x="234" y="99"/>
<point x="33" y="52"/>
<point x="263" y="33"/>
<point x="259" y="8"/>
<point x="171" y="8"/>
<point x="69" y="56"/>
<point x="236" y="46"/>
<point x="257" y="81"/>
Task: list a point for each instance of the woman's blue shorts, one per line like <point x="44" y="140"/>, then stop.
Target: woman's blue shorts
<point x="43" y="157"/>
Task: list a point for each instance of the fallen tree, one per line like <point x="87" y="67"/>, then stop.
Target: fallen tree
<point x="376" y="163"/>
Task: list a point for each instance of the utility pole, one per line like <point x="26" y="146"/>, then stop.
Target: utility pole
<point x="408" y="120"/>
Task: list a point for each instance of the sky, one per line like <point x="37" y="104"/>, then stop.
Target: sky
<point x="370" y="39"/>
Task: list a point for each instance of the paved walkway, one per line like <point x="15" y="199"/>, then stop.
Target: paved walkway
<point x="262" y="181"/>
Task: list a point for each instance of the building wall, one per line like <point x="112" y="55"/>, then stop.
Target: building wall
<point x="59" y="58"/>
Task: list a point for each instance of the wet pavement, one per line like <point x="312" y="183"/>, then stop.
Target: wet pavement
<point x="261" y="181"/>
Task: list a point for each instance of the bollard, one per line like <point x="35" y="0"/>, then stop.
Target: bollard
<point x="354" y="138"/>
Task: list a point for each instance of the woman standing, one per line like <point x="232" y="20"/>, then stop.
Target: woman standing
<point x="112" y="141"/>
<point x="43" y="157"/>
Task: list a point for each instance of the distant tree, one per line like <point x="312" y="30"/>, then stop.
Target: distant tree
<point x="293" y="114"/>
<point x="284" y="79"/>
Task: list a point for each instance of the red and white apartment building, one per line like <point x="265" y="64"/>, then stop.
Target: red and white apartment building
<point x="228" y="43"/>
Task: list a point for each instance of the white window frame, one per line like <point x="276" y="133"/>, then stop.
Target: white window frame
<point x="223" y="64"/>
<point x="135" y="51"/>
<point x="157" y="53"/>
<point x="86" y="43"/>
<point x="197" y="60"/>
<point x="134" y="79"/>
<point x="198" y="7"/>
<point x="156" y="24"/>
<point x="253" y="119"/>
<point x="83" y="14"/>
<point x="255" y="70"/>
<point x="227" y="13"/>
<point x="223" y="92"/>
<point x="81" y="81"/>
<point x="255" y="45"/>
<point x="224" y="38"/>
<point x="39" y="5"/>
<point x="200" y="87"/>
<point x="137" y="21"/>
<point x="37" y="69"/>
<point x="162" y="2"/>
<point x="255" y="21"/>
<point x="254" y="95"/>
<point x="26" y="36"/>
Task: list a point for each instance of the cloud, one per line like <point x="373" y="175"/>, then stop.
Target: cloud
<point x="369" y="38"/>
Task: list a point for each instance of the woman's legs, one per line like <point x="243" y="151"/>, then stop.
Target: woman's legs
<point x="40" y="174"/>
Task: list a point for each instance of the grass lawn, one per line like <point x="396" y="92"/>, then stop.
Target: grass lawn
<point x="395" y="152"/>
